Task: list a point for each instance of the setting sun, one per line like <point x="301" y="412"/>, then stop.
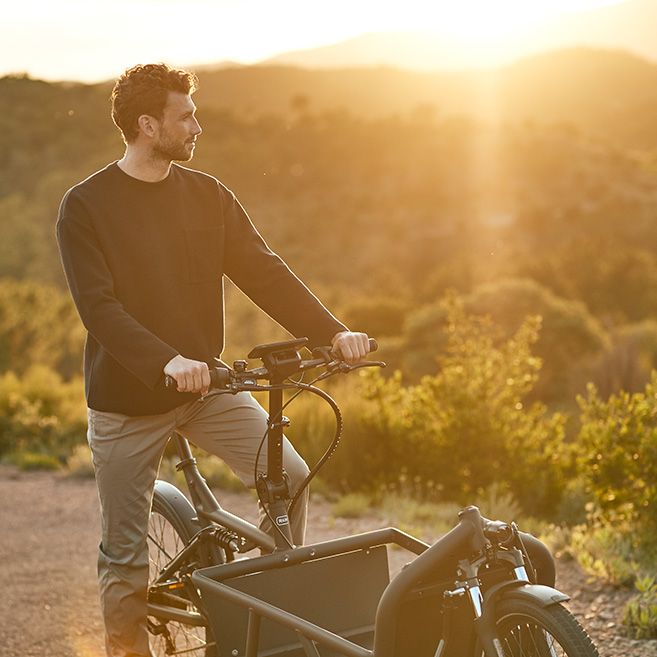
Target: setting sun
<point x="475" y="19"/>
<point x="472" y="32"/>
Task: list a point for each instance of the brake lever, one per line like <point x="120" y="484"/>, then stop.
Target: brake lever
<point x="346" y="367"/>
<point x="324" y="353"/>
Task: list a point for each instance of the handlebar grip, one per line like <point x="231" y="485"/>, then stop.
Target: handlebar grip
<point x="374" y="345"/>
<point x="219" y="377"/>
<point x="497" y="530"/>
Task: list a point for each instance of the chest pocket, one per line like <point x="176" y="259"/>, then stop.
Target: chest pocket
<point x="204" y="247"/>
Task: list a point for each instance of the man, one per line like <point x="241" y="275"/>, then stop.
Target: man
<point x="145" y="244"/>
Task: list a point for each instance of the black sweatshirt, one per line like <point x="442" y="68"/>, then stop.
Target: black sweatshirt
<point x="145" y="263"/>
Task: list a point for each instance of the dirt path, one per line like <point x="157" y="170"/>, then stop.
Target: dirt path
<point x="48" y="536"/>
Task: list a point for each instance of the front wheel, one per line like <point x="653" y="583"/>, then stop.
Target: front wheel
<point x="168" y="533"/>
<point x="526" y="629"/>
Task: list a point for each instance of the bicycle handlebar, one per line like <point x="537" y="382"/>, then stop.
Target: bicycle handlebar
<point x="240" y="378"/>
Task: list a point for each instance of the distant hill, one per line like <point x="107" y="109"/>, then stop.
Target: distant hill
<point x="629" y="25"/>
<point x="421" y="51"/>
<point x="610" y="93"/>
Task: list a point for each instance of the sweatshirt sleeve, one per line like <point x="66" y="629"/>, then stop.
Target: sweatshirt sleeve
<point x="90" y="280"/>
<point x="269" y="282"/>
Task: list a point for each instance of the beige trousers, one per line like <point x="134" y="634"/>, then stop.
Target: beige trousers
<point x="127" y="452"/>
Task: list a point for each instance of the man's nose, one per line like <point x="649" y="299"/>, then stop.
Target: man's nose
<point x="197" y="128"/>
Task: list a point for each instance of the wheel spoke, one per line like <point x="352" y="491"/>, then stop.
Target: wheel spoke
<point x="163" y="542"/>
<point x="525" y="630"/>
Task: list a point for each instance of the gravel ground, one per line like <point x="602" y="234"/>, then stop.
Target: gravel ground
<point x="49" y="530"/>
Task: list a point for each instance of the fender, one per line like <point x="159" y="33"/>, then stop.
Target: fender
<point x="514" y="589"/>
<point x="179" y="504"/>
<point x="209" y="552"/>
<point x="543" y="595"/>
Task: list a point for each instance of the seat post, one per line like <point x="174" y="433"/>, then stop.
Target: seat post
<point x="274" y="486"/>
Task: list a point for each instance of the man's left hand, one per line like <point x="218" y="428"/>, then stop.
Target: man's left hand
<point x="351" y="347"/>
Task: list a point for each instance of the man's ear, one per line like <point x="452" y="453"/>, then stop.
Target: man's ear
<point x="147" y="125"/>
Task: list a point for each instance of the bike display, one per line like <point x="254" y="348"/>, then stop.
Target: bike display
<point x="476" y="592"/>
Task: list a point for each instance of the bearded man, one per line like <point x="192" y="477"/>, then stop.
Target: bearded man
<point x="145" y="245"/>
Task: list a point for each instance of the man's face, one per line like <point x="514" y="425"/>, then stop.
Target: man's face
<point x="178" y="129"/>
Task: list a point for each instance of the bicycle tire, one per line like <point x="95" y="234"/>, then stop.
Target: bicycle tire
<point x="527" y="629"/>
<point x="168" y="532"/>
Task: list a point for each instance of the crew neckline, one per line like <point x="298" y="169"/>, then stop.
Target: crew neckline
<point x="157" y="184"/>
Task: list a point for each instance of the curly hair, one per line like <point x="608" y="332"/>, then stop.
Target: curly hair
<point x="143" y="89"/>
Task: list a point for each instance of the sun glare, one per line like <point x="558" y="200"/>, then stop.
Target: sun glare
<point x="473" y="20"/>
<point x="477" y="31"/>
<point x="476" y="20"/>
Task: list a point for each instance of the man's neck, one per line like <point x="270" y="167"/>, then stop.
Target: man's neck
<point x="144" y="166"/>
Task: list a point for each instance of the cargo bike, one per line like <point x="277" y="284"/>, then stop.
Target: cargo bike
<point x="484" y="589"/>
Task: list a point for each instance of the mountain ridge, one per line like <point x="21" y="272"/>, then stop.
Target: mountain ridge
<point x="628" y="25"/>
<point x="604" y="92"/>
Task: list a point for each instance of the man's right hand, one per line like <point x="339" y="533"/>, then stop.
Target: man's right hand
<point x="190" y="375"/>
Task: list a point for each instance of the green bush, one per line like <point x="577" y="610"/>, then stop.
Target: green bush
<point x="606" y="551"/>
<point x="617" y="445"/>
<point x="470" y="426"/>
<point x="215" y="472"/>
<point x="38" y="326"/>
<point x="617" y="461"/>
<point x="33" y="461"/>
<point x="452" y="436"/>
<point x="352" y="505"/>
<point x="40" y="412"/>
<point x="79" y="464"/>
<point x="218" y="474"/>
<point x="418" y="517"/>
<point x="640" y="613"/>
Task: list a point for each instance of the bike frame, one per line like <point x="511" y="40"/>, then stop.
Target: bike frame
<point x="217" y="583"/>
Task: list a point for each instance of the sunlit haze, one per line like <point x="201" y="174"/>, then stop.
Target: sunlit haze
<point x="90" y="41"/>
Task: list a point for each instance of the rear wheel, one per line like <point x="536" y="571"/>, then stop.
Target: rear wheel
<point x="526" y="629"/>
<point x="168" y="533"/>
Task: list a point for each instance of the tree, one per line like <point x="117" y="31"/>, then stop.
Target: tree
<point x="570" y="339"/>
<point x="470" y="425"/>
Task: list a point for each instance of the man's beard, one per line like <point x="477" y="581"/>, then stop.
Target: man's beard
<point x="169" y="149"/>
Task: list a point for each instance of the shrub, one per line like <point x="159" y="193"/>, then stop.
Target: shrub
<point x="470" y="426"/>
<point x="33" y="461"/>
<point x="605" y="551"/>
<point x="38" y="324"/>
<point x="497" y="503"/>
<point x="218" y="474"/>
<point x="40" y="412"/>
<point x="640" y="613"/>
<point x="79" y="464"/>
<point x="618" y="457"/>
<point x="352" y="505"/>
<point x="453" y="435"/>
<point x="168" y="472"/>
<point x="417" y="517"/>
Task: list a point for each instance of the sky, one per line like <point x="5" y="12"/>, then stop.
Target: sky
<point x="93" y="40"/>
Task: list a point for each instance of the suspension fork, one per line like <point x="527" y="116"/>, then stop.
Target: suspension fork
<point x="469" y="584"/>
<point x="485" y="629"/>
